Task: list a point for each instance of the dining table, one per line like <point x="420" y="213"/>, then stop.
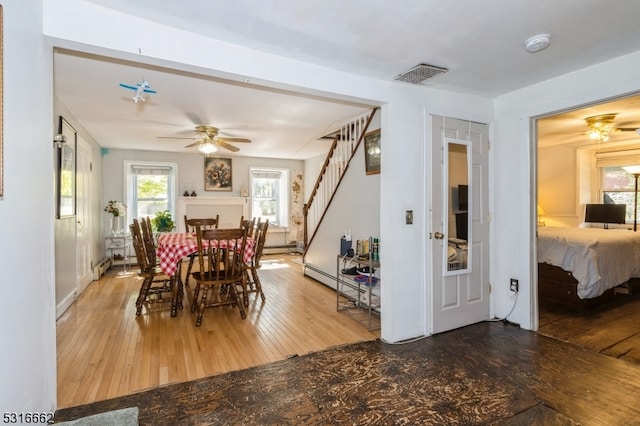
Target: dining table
<point x="172" y="247"/>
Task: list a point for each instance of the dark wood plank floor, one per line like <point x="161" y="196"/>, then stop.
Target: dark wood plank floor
<point x="487" y="373"/>
<point x="612" y="329"/>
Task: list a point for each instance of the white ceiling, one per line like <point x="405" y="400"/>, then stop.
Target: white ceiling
<point x="480" y="42"/>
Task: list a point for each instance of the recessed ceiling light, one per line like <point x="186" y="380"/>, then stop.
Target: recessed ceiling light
<point x="537" y="43"/>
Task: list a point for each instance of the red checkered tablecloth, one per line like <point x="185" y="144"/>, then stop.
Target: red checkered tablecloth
<point x="172" y="247"/>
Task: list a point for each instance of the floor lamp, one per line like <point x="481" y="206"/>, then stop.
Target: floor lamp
<point x="635" y="171"/>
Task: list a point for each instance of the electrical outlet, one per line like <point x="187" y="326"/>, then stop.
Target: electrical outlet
<point x="514" y="286"/>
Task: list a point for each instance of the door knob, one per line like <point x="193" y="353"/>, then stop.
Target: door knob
<point x="438" y="235"/>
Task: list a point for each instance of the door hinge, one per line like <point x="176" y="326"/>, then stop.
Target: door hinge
<point x="489" y="288"/>
<point x="489" y="217"/>
<point x="488" y="145"/>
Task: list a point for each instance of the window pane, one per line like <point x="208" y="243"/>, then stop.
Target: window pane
<point x="618" y="187"/>
<point x="617" y="178"/>
<point x="152" y="194"/>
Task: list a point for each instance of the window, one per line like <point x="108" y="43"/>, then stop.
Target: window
<point x="618" y="187"/>
<point x="150" y="189"/>
<point x="270" y="195"/>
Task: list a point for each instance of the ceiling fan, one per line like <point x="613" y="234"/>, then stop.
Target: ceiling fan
<point x="601" y="126"/>
<point x="208" y="141"/>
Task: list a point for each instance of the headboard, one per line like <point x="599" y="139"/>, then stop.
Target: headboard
<point x="605" y="213"/>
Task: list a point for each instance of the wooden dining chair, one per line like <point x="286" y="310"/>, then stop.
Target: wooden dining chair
<point x="155" y="284"/>
<point x="191" y="225"/>
<point x="209" y="223"/>
<point x="253" y="281"/>
<point x="249" y="224"/>
<point x="148" y="238"/>
<point x="221" y="261"/>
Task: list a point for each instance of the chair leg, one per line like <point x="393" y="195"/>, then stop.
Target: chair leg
<point x="142" y="296"/>
<point x="201" y="306"/>
<point x="194" y="302"/>
<point x="257" y="283"/>
<point x="234" y="294"/>
<point x="176" y="295"/>
<point x="186" y="280"/>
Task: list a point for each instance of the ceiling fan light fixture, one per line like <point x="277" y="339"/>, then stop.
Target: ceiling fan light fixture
<point x="207" y="147"/>
<point x="600" y="126"/>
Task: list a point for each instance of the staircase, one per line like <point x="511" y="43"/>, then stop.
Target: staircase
<point x="346" y="141"/>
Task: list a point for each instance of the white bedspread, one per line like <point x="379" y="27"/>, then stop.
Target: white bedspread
<point x="599" y="259"/>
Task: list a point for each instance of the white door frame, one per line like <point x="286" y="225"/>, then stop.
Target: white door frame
<point x="84" y="240"/>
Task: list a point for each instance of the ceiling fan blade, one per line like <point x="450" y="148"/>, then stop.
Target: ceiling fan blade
<point x="175" y="137"/>
<point x="226" y="139"/>
<point x="223" y="144"/>
<point x="627" y="129"/>
<point x="193" y="144"/>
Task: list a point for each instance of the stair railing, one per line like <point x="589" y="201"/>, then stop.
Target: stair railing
<point x="346" y="141"/>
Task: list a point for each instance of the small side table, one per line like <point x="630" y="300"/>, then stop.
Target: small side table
<point x="118" y="247"/>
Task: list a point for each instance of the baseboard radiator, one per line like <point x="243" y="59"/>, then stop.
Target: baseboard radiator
<point x="279" y="248"/>
<point x="101" y="267"/>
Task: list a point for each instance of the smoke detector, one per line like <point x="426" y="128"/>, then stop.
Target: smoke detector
<point x="420" y="73"/>
<point x="537" y="43"/>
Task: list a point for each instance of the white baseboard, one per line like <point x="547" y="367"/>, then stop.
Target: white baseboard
<point x="64" y="304"/>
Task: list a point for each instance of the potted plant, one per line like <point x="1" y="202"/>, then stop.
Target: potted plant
<point x="162" y="222"/>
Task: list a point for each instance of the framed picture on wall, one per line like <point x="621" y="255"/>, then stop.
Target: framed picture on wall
<point x="66" y="171"/>
<point x="217" y="174"/>
<point x="372" y="152"/>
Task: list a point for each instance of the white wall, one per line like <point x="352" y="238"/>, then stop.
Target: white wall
<point x="27" y="329"/>
<point x="515" y="172"/>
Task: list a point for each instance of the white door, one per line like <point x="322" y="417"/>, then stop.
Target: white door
<point x="83" y="226"/>
<point x="459" y="231"/>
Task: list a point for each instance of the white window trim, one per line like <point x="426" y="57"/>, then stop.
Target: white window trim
<point x="284" y="203"/>
<point x="128" y="182"/>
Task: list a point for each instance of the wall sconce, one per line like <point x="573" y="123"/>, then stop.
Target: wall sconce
<point x="59" y="140"/>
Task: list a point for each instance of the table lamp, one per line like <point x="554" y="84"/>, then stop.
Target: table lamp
<point x="541" y="213"/>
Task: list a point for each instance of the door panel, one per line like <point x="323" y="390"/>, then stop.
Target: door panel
<point x="460" y="265"/>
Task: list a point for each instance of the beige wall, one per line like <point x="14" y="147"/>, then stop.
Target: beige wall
<point x="557" y="185"/>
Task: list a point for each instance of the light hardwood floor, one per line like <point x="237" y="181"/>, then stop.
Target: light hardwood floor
<point x="105" y="351"/>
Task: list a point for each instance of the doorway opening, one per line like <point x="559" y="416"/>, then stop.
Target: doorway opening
<point x="574" y="170"/>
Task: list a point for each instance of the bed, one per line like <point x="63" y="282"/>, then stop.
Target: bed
<point x="583" y="266"/>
